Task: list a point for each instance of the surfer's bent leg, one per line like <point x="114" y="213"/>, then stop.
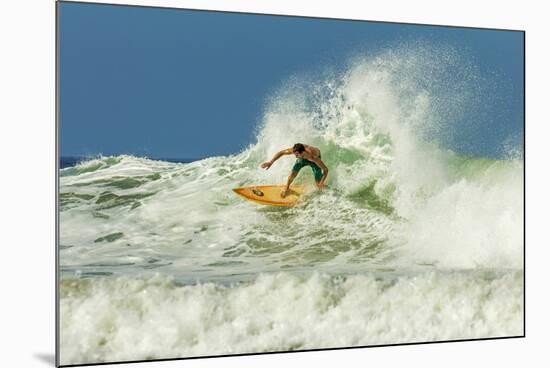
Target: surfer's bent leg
<point x="317" y="172"/>
<point x="289" y="181"/>
<point x="298" y="165"/>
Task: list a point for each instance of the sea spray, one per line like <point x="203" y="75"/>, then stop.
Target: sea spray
<point x="127" y="319"/>
<point x="408" y="226"/>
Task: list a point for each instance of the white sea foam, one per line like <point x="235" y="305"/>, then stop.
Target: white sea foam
<point x="431" y="222"/>
<point x="109" y="319"/>
<point x="379" y="128"/>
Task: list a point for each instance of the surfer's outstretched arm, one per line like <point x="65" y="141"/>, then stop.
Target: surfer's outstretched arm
<point x="266" y="165"/>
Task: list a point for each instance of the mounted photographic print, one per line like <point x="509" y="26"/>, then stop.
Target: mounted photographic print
<point x="233" y="183"/>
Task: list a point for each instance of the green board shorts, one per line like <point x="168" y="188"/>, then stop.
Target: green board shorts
<point x="301" y="162"/>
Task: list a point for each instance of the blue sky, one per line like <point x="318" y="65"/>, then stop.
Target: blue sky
<point x="168" y="83"/>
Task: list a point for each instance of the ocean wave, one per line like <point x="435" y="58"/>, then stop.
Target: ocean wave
<point x="396" y="196"/>
<point x="117" y="319"/>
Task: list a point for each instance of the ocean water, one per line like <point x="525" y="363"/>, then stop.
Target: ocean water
<point x="410" y="242"/>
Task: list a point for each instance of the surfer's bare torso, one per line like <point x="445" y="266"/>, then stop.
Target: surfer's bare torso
<point x="306" y="155"/>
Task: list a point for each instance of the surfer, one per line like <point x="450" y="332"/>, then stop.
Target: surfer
<point x="306" y="156"/>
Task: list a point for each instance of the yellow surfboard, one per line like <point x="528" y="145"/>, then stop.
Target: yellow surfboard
<point x="271" y="194"/>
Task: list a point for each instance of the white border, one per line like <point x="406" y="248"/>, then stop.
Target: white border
<point x="27" y="181"/>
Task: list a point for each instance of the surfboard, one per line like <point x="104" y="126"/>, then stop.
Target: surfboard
<point x="271" y="194"/>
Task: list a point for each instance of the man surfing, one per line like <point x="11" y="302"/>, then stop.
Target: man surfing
<point x="306" y="156"/>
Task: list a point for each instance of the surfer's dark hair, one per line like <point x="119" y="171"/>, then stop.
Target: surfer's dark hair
<point x="298" y="147"/>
